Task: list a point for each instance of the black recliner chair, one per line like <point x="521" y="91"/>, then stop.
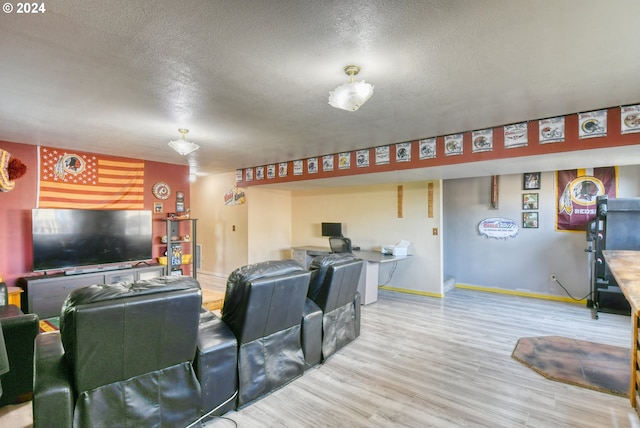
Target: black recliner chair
<point x="19" y="331"/>
<point x="124" y="357"/>
<point x="264" y="306"/>
<point x="334" y="288"/>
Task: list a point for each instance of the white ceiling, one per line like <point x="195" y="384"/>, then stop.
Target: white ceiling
<point x="250" y="79"/>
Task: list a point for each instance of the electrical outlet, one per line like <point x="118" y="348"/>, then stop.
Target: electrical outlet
<point x="554" y="277"/>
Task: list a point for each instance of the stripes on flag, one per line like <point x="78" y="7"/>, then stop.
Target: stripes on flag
<point x="70" y="179"/>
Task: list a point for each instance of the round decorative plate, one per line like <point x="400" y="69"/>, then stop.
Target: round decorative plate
<point x="161" y="190"/>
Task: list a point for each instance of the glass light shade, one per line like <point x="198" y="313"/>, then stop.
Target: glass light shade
<point x="350" y="96"/>
<point x="183" y="147"/>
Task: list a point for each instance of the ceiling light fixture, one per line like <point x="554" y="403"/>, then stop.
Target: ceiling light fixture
<point x="183" y="146"/>
<point x="350" y="96"/>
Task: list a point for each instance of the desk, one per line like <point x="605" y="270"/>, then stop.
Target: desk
<point x="625" y="267"/>
<point x="368" y="285"/>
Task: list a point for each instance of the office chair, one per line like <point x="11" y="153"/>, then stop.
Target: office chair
<point x="340" y="244"/>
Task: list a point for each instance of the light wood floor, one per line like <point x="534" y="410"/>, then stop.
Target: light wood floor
<point x="430" y="362"/>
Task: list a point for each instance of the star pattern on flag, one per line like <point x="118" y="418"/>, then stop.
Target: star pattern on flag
<point x="53" y="168"/>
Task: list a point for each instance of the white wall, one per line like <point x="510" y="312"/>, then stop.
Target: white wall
<point x="223" y="248"/>
<point x="269" y="224"/>
<point x="524" y="263"/>
<point x="369" y="218"/>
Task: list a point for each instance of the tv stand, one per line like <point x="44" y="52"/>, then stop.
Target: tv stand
<point x="44" y="295"/>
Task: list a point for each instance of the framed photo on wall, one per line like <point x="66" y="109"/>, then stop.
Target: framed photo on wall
<point x="531" y="180"/>
<point x="157" y="207"/>
<point x="530" y="201"/>
<point x="530" y="220"/>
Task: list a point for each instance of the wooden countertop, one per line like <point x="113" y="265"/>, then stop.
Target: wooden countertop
<point x="625" y="267"/>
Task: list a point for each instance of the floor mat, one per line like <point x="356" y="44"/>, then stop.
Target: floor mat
<point x="50" y="324"/>
<point x="590" y="365"/>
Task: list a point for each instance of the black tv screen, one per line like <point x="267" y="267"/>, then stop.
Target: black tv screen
<point x="68" y="238"/>
<point x="331" y="229"/>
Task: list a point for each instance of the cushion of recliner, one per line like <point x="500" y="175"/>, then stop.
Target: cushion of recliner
<point x="273" y="292"/>
<point x="342" y="271"/>
<point x="113" y="333"/>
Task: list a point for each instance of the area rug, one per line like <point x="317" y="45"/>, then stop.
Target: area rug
<point x="590" y="365"/>
<point x="49" y="324"/>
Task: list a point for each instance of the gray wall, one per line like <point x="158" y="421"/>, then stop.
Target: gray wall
<point x="524" y="263"/>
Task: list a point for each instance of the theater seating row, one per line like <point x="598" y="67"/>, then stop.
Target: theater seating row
<point x="147" y="354"/>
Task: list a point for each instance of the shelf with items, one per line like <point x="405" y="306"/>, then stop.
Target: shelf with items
<point x="180" y="246"/>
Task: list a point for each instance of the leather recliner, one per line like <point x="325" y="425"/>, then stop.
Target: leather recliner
<point x="19" y="331"/>
<point x="264" y="307"/>
<point x="334" y="288"/>
<point x="124" y="357"/>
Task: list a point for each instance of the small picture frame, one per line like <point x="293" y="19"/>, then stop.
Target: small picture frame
<point x="179" y="207"/>
<point x="530" y="201"/>
<point x="531" y="180"/>
<point x="530" y="220"/>
<point x="157" y="208"/>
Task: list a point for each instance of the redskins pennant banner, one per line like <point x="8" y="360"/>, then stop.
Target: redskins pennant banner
<point x="577" y="190"/>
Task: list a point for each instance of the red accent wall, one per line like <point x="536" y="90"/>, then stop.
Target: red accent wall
<point x="16" y="206"/>
<point x="572" y="143"/>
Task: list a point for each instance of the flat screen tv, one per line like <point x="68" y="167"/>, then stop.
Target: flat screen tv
<point x="331" y="229"/>
<point x="69" y="238"/>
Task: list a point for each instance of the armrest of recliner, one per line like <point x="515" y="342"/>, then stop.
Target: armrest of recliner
<point x="53" y="396"/>
<point x="216" y="364"/>
<point x="19" y="331"/>
<point x="311" y="333"/>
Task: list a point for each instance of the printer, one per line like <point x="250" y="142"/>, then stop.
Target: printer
<point x="399" y="249"/>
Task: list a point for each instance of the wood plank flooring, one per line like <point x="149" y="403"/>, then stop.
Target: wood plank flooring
<point x="430" y="362"/>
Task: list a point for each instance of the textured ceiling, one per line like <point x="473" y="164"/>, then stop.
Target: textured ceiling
<point x="250" y="79"/>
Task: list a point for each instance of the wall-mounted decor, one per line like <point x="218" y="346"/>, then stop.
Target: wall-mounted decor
<point x="10" y="170"/>
<point x="260" y="173"/>
<point x="531" y="181"/>
<point x="282" y="169"/>
<point x="403" y="152"/>
<point x="428" y="148"/>
<point x="498" y="228"/>
<point x="530" y="220"/>
<point x="592" y="124"/>
<point x="362" y="158"/>
<point x="630" y="119"/>
<point x="551" y="130"/>
<point x="577" y="190"/>
<point x="298" y="167"/>
<point x="344" y="160"/>
<point x="157" y="208"/>
<point x="312" y="165"/>
<point x="179" y="201"/>
<point x="271" y="171"/>
<point x="516" y="135"/>
<point x="249" y="174"/>
<point x="482" y="140"/>
<point x="161" y="190"/>
<point x="382" y="155"/>
<point x="530" y="201"/>
<point x="495" y="182"/>
<point x="453" y="144"/>
<point x="327" y="163"/>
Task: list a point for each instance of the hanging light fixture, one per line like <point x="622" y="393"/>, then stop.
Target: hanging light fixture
<point x="350" y="96"/>
<point x="183" y="146"/>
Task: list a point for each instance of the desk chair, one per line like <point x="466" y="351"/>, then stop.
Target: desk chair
<point x="340" y="244"/>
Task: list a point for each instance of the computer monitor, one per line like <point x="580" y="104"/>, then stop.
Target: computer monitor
<point x="331" y="229"/>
